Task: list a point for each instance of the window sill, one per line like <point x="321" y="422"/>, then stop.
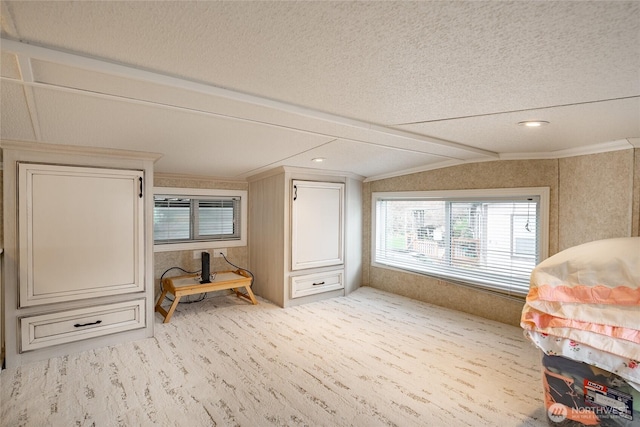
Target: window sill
<point x="172" y="247"/>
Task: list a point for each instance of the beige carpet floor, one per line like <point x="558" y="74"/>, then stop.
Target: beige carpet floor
<point x="368" y="359"/>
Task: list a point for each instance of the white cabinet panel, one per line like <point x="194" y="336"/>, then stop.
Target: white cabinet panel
<point x="81" y="233"/>
<point x="317" y="217"/>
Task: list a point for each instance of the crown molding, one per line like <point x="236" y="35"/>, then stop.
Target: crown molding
<point x="166" y="175"/>
<point x="77" y="150"/>
<point x="605" y="147"/>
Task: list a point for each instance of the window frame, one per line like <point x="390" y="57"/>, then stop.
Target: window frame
<point x="543" y="193"/>
<point x="195" y="193"/>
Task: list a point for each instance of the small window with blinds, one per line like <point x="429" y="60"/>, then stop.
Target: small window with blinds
<point x="486" y="238"/>
<point x="200" y="219"/>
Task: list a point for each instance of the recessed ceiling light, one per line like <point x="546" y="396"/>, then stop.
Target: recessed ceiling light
<point x="533" y="123"/>
<point x="318" y="159"/>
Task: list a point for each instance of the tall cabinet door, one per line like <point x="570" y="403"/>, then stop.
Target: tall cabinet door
<point x="81" y="232"/>
<point x="317" y="224"/>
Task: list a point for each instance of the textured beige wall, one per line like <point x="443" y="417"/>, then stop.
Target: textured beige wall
<point x="591" y="197"/>
<point x="1" y="211"/>
<point x="635" y="229"/>
<point x="184" y="259"/>
<point x="439" y="292"/>
<point x="596" y="197"/>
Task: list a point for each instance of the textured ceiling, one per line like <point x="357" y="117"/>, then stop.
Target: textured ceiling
<point x="230" y="89"/>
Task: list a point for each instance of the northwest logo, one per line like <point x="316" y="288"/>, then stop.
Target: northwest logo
<point x="557" y="412"/>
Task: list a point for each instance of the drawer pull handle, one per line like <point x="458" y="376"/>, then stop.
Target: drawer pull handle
<point x="318" y="284"/>
<point x="80" y="325"/>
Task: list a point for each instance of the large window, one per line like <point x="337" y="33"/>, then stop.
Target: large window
<point x="198" y="219"/>
<point x="486" y="238"/>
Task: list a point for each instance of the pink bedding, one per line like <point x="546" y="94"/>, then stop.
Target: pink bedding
<point x="589" y="294"/>
<point x="600" y="272"/>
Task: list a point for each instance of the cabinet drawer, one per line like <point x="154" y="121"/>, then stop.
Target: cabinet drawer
<point x="73" y="325"/>
<point x="310" y="284"/>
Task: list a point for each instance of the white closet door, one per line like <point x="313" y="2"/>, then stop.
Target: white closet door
<point x="316" y="224"/>
<point x="81" y="233"/>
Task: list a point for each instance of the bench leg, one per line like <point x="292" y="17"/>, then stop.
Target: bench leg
<point x="176" y="300"/>
<point x="159" y="308"/>
<point x="160" y="300"/>
<point x="249" y="295"/>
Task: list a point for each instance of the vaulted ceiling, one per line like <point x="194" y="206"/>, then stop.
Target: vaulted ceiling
<point x="231" y="89"/>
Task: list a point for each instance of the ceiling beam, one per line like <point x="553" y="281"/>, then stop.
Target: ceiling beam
<point x="323" y="123"/>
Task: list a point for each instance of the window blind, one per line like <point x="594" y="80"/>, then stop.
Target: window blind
<point x="179" y="219"/>
<point x="492" y="243"/>
<point x="171" y="219"/>
<point x="217" y="218"/>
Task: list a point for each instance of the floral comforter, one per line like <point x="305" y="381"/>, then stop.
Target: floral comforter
<point x="584" y="304"/>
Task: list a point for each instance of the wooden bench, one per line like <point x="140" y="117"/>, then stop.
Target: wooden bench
<point x="180" y="286"/>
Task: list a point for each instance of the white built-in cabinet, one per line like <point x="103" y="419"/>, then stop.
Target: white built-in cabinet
<point x="317" y="218"/>
<point x="79" y="251"/>
<point x="304" y="235"/>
